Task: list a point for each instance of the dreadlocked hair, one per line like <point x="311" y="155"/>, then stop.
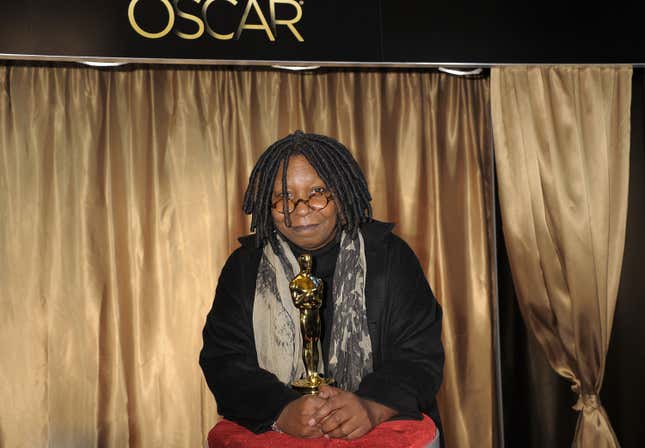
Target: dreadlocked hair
<point x="334" y="164"/>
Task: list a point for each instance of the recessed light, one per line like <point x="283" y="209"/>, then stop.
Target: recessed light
<point x="296" y="68"/>
<point x="102" y="64"/>
<point x="460" y="72"/>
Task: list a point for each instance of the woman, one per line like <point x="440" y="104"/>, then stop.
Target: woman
<point x="381" y="325"/>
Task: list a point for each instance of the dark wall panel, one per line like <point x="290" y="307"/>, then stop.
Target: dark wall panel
<point x="357" y="31"/>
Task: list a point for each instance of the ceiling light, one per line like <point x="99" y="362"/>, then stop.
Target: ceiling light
<point x="459" y="72"/>
<point x="102" y="64"/>
<point x="296" y="68"/>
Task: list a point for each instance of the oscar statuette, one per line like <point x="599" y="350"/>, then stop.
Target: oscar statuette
<point x="307" y="294"/>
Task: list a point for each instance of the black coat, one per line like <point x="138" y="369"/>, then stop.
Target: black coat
<point x="404" y="321"/>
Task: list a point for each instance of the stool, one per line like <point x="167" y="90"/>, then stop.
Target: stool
<point x="391" y="434"/>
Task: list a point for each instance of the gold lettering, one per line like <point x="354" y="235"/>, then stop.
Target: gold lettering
<point x="192" y="18"/>
<point x="254" y="26"/>
<point x="211" y="31"/>
<point x="144" y="33"/>
<point x="289" y="23"/>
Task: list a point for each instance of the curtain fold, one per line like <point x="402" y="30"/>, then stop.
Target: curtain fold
<point x="622" y="394"/>
<point x="120" y="199"/>
<point x="562" y="155"/>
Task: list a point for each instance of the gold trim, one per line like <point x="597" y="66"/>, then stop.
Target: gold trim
<point x="269" y="63"/>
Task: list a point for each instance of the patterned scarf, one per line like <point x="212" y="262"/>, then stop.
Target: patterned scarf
<point x="276" y="320"/>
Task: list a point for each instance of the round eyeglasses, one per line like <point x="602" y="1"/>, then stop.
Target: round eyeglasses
<point x="317" y="200"/>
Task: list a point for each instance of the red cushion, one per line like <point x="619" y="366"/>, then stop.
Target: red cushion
<point x="392" y="434"/>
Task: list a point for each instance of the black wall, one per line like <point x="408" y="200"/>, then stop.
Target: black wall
<point x="357" y="31"/>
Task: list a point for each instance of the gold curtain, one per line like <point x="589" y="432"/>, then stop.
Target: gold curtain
<point x="120" y="199"/>
<point x="562" y="154"/>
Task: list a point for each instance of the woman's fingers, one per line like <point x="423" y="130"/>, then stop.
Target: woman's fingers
<point x="342" y="416"/>
<point x="349" y="429"/>
<point x="294" y="418"/>
<point x="331" y="404"/>
<point x="308" y="432"/>
<point x="334" y="421"/>
<point x="328" y="391"/>
<point x="358" y="432"/>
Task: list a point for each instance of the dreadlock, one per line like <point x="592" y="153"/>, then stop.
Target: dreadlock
<point x="334" y="164"/>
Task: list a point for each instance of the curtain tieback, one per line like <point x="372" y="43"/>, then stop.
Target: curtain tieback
<point x="589" y="401"/>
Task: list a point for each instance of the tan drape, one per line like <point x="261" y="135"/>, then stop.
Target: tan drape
<point x="562" y="154"/>
<point x="120" y="199"/>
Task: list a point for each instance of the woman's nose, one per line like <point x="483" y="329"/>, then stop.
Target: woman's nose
<point x="301" y="209"/>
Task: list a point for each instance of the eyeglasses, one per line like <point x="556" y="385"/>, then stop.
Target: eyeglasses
<point x="317" y="201"/>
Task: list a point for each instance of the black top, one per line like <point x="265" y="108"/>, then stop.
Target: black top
<point x="404" y="323"/>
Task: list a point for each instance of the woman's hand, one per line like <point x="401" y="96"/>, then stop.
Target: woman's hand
<point x="294" y="418"/>
<point x="344" y="415"/>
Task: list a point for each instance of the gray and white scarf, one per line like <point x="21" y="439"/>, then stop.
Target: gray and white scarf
<point x="276" y="320"/>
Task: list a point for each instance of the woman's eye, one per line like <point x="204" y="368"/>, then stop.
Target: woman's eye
<point x="318" y="190"/>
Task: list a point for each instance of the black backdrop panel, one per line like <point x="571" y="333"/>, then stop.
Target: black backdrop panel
<point x="350" y="31"/>
<point x="518" y="32"/>
<point x="330" y="30"/>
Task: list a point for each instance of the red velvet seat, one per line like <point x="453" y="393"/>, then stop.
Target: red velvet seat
<point x="392" y="434"/>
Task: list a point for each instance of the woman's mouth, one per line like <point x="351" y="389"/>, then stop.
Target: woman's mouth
<point x="304" y="229"/>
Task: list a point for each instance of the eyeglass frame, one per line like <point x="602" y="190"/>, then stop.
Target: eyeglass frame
<point x="326" y="193"/>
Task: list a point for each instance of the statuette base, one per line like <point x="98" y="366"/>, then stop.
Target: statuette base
<point x="309" y="386"/>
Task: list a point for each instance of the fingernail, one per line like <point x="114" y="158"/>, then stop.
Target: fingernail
<point x="311" y="422"/>
<point x="326" y="436"/>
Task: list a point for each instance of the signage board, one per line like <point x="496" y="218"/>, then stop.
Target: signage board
<point x="332" y="32"/>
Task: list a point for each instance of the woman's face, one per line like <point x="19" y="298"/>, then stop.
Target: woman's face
<point x="310" y="229"/>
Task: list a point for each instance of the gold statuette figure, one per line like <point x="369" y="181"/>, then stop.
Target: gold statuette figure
<point x="307" y="295"/>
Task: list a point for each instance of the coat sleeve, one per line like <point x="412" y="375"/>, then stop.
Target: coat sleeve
<point x="410" y="370"/>
<point x="245" y="393"/>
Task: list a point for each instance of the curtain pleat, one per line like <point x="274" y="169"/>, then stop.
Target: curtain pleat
<point x="562" y="154"/>
<point x="622" y="394"/>
<point x="120" y="199"/>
